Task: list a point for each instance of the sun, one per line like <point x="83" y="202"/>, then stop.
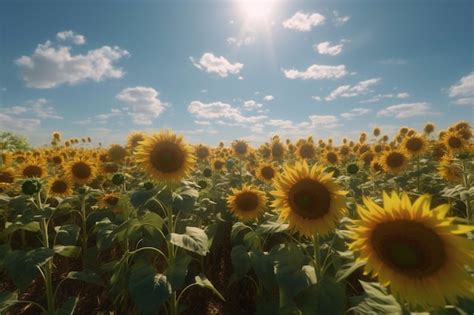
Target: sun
<point x="257" y="10"/>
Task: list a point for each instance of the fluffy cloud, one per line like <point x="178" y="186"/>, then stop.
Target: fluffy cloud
<point x="213" y="64"/>
<point x="244" y="41"/>
<point x="340" y="20"/>
<point x="251" y="105"/>
<point x="315" y="123"/>
<point x="38" y="108"/>
<point x="142" y="104"/>
<point x="355" y="113"/>
<point x="317" y="72"/>
<point x="351" y="91"/>
<point x="464" y="89"/>
<point x="304" y="22"/>
<point x="70" y="35"/>
<point x="51" y="66"/>
<point x="268" y="98"/>
<point x="403" y="95"/>
<point x="325" y="48"/>
<point x="379" y="97"/>
<point x="9" y="122"/>
<point x="406" y="110"/>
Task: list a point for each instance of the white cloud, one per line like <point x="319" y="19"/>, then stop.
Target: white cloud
<point x="467" y="101"/>
<point x="9" y="122"/>
<point x="143" y="104"/>
<point x="240" y="77"/>
<point x="51" y="66"/>
<point x="213" y="64"/>
<point x="304" y="22"/>
<point x="316" y="98"/>
<point x="406" y="110"/>
<point x="244" y="41"/>
<point x="317" y="72"/>
<point x="251" y="105"/>
<point x="340" y="20"/>
<point x="355" y="113"/>
<point x="268" y="98"/>
<point x="464" y="87"/>
<point x="70" y="35"/>
<point x="403" y="95"/>
<point x="325" y="48"/>
<point x="351" y="91"/>
<point x="379" y="97"/>
<point x="202" y="122"/>
<point x="38" y="108"/>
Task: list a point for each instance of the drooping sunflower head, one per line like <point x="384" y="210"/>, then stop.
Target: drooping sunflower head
<point x="165" y="156"/>
<point x="7" y="177"/>
<point x="414" y="249"/>
<point x="450" y="169"/>
<point x="60" y="186"/>
<point x="82" y="169"/>
<point x="415" y="145"/>
<point x="134" y="139"/>
<point x="108" y="200"/>
<point x="308" y="199"/>
<point x="454" y="142"/>
<point x="393" y="161"/>
<point x="116" y="153"/>
<point x="266" y="172"/>
<point x="32" y="167"/>
<point x="247" y="203"/>
<point x="240" y="148"/>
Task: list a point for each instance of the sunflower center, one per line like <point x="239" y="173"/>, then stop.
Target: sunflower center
<point x="240" y="148"/>
<point x="454" y="142"/>
<point x="331" y="157"/>
<point x="310" y="199"/>
<point x="6" y="177"/>
<point x="268" y="172"/>
<point x="218" y="164"/>
<point x="167" y="157"/>
<point x="59" y="187"/>
<point x="414" y="144"/>
<point x="81" y="170"/>
<point x="409" y="247"/>
<point x="395" y="159"/>
<point x="247" y="201"/>
<point x="32" y="171"/>
<point x="57" y="159"/>
<point x="277" y="150"/>
<point x="202" y="153"/>
<point x="307" y="151"/>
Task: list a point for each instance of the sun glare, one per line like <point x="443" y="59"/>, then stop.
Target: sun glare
<point x="257" y="10"/>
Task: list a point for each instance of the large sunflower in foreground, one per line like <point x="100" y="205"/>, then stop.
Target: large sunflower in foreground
<point x="82" y="169"/>
<point x="414" y="249"/>
<point x="165" y="156"/>
<point x="246" y="203"/>
<point x="308" y="199"/>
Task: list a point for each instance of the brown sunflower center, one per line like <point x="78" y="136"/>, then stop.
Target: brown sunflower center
<point x="307" y="151"/>
<point x="6" y="177"/>
<point x="409" y="247"/>
<point x="247" y="201"/>
<point x="395" y="159"/>
<point x="331" y="157"/>
<point x="414" y="144"/>
<point x="32" y="171"/>
<point x="111" y="200"/>
<point x="454" y="142"/>
<point x="277" y="150"/>
<point x="167" y="157"/>
<point x="59" y="187"/>
<point x="57" y="159"/>
<point x="202" y="153"/>
<point x="218" y="164"/>
<point x="267" y="172"/>
<point x="240" y="148"/>
<point x="309" y="199"/>
<point x="81" y="170"/>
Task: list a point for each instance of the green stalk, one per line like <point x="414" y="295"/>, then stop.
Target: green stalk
<point x="171" y="256"/>
<point x="467" y="184"/>
<point x="418" y="177"/>
<point x="84" y="227"/>
<point x="48" y="274"/>
<point x="317" y="256"/>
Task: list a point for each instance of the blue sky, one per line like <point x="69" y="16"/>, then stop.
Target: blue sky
<point x="225" y="70"/>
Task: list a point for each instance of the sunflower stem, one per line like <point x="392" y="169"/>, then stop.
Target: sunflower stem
<point x="84" y="227"/>
<point x="317" y="255"/>
<point x="467" y="184"/>
<point x="418" y="175"/>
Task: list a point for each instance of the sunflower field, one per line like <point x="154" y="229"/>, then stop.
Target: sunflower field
<point x="374" y="225"/>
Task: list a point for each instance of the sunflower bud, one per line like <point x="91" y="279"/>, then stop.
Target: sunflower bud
<point x="207" y="172"/>
<point x="352" y="168"/>
<point x="31" y="187"/>
<point x="202" y="184"/>
<point x="118" y="179"/>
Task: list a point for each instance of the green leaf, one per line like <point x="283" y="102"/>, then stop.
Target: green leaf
<point x="240" y="261"/>
<point x="67" y="251"/>
<point x="271" y="227"/>
<point x="347" y="269"/>
<point x="377" y="301"/>
<point x="151" y="219"/>
<point x="148" y="289"/>
<point x="67" y="234"/>
<point x="325" y="297"/>
<point x="202" y="281"/>
<point x="21" y="265"/>
<point x="237" y="228"/>
<point x="194" y="240"/>
<point x="87" y="275"/>
<point x="252" y="240"/>
<point x="7" y="300"/>
<point x="262" y="264"/>
<point x="31" y="226"/>
<point x="68" y="307"/>
<point x="176" y="273"/>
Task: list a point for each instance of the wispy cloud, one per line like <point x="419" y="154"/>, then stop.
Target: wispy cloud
<point x="304" y="21"/>
<point x="241" y="41"/>
<point x="339" y="20"/>
<point x="317" y="72"/>
<point x="356" y="112"/>
<point x="406" y="110"/>
<point x="219" y="65"/>
<point x="268" y="98"/>
<point x="360" y="88"/>
<point x="463" y="90"/>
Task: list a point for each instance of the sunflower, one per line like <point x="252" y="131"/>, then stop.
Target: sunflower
<point x="108" y="200"/>
<point x="454" y="142"/>
<point x="414" y="249"/>
<point x="450" y="169"/>
<point x="82" y="169"/>
<point x="32" y="167"/>
<point x="246" y="203"/>
<point x="60" y="186"/>
<point x="116" y="153"/>
<point x="6" y="158"/>
<point x="278" y="149"/>
<point x="308" y="199"/>
<point x="7" y="177"/>
<point x="414" y="145"/>
<point x="218" y="164"/>
<point x="165" y="156"/>
<point x="134" y="139"/>
<point x="266" y="172"/>
<point x="393" y="161"/>
<point x="429" y="128"/>
<point x="202" y="151"/>
<point x="240" y="147"/>
<point x="331" y="157"/>
<point x="306" y="150"/>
